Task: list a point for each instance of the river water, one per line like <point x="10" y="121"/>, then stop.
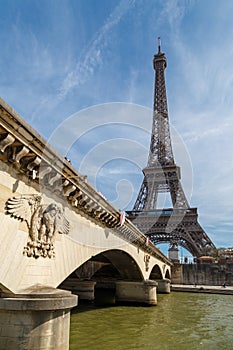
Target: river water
<point x="182" y="321"/>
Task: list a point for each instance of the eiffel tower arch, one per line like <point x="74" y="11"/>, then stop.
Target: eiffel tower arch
<point x="177" y="225"/>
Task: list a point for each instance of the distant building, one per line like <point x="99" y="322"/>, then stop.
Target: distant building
<point x="205" y="259"/>
<point x="225" y="255"/>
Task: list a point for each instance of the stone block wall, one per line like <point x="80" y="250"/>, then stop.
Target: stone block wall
<point x="203" y="274"/>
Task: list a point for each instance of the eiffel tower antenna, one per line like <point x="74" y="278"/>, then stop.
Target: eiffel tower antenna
<point x="159" y="44"/>
<point x="177" y="225"/>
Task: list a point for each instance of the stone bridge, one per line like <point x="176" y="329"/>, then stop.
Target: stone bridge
<point x="59" y="235"/>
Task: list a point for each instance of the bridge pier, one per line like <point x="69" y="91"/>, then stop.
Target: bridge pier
<point x="137" y="292"/>
<point x="37" y="320"/>
<point x="164" y="286"/>
<point x="85" y="290"/>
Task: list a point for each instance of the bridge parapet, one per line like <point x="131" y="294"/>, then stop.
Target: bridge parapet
<point x="29" y="154"/>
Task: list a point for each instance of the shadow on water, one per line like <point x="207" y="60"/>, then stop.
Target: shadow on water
<point x="104" y="298"/>
<point x="88" y="306"/>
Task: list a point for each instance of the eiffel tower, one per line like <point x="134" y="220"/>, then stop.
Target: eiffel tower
<point x="177" y="225"/>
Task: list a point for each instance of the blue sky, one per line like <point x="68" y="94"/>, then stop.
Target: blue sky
<point x="60" y="58"/>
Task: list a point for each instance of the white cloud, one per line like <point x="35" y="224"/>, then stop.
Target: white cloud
<point x="92" y="56"/>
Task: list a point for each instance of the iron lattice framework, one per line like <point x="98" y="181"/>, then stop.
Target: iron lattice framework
<point x="177" y="225"/>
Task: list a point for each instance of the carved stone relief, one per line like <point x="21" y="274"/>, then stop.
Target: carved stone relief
<point x="146" y="261"/>
<point x="44" y="222"/>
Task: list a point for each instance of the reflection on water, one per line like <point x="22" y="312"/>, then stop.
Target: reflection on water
<point x="182" y="321"/>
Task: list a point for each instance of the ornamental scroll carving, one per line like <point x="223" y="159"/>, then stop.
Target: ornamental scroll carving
<point x="44" y="222"/>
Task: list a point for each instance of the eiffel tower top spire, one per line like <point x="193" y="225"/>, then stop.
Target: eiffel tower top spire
<point x="160" y="146"/>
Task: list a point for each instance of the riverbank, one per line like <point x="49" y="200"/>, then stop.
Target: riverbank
<point x="202" y="289"/>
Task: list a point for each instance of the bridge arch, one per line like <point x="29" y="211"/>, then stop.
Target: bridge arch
<point x="156" y="273"/>
<point x="168" y="274"/>
<point x="96" y="278"/>
<point x="114" y="264"/>
<point x="124" y="263"/>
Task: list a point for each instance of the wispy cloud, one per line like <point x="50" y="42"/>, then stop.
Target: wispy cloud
<point x="174" y="11"/>
<point x="92" y="56"/>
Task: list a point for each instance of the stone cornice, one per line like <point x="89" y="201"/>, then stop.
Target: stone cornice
<point x="24" y="149"/>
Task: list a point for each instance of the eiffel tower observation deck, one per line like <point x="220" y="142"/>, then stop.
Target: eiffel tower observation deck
<point x="177" y="225"/>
